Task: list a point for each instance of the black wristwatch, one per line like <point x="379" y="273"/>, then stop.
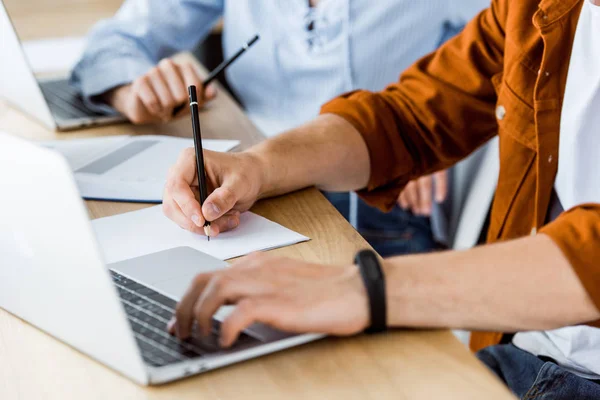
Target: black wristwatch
<point x="374" y="280"/>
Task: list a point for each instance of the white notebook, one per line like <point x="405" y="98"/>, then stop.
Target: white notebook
<point x="147" y="231"/>
<point x="126" y="168"/>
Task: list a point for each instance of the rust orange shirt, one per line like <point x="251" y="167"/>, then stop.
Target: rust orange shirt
<point x="504" y="75"/>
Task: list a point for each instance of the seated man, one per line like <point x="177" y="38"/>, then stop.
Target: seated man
<point x="507" y="74"/>
<point x="309" y="52"/>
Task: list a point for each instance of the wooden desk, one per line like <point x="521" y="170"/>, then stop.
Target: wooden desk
<point x="397" y="365"/>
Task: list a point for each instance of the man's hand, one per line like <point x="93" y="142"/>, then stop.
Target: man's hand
<point x="234" y="184"/>
<point x="418" y="194"/>
<point x="327" y="152"/>
<point x="289" y="295"/>
<point x="152" y="97"/>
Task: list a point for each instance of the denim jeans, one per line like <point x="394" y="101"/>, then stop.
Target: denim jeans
<point x="395" y="233"/>
<point x="530" y="377"/>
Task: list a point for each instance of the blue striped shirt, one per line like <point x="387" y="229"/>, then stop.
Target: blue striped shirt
<point x="292" y="70"/>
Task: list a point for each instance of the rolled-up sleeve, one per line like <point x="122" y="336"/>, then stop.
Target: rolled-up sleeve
<point x="440" y="111"/>
<point x="577" y="234"/>
<point x="143" y="32"/>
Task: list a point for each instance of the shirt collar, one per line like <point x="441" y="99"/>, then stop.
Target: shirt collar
<point x="551" y="11"/>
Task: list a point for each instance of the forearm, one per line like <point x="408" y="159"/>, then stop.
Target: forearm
<point x="328" y="153"/>
<point x="525" y="284"/>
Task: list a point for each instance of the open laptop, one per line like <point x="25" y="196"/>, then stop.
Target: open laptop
<point x="52" y="275"/>
<point x="53" y="102"/>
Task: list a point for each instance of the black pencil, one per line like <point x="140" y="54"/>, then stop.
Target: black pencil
<point x="199" y="153"/>
<point x="221" y="67"/>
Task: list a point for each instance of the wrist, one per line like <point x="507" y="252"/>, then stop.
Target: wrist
<point x="359" y="300"/>
<point x="262" y="175"/>
<point x="115" y="97"/>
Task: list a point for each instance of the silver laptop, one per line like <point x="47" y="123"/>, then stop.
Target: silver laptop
<point x="52" y="275"/>
<point x="53" y="102"/>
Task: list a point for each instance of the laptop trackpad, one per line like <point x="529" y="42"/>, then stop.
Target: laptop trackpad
<point x="169" y="272"/>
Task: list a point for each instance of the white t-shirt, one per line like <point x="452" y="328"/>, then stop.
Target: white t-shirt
<point x="577" y="349"/>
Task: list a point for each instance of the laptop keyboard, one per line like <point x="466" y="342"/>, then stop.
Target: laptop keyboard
<point x="149" y="312"/>
<point x="64" y="100"/>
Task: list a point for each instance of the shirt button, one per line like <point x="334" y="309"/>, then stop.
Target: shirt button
<point x="533" y="231"/>
<point x="546" y="73"/>
<point x="500" y="112"/>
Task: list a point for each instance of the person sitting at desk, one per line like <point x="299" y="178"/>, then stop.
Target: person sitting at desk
<point x="526" y="71"/>
<point x="309" y="52"/>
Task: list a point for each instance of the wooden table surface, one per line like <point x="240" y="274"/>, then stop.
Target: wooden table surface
<point x="397" y="365"/>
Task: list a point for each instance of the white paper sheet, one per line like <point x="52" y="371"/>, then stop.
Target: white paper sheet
<point x="147" y="231"/>
<point x="54" y="54"/>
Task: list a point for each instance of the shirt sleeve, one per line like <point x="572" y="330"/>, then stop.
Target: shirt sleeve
<point x="577" y="234"/>
<point x="143" y="32"/>
<point x="440" y="111"/>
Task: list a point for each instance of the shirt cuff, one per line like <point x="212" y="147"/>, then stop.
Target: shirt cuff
<point x="93" y="77"/>
<point x="577" y="234"/>
<point x="390" y="161"/>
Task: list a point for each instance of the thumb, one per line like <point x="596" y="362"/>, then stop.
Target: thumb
<point x="220" y="201"/>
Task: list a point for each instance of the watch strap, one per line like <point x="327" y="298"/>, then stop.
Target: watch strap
<point x="374" y="281"/>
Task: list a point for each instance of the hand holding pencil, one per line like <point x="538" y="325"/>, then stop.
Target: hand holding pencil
<point x="233" y="181"/>
<point x="160" y="94"/>
<point x="207" y="191"/>
<point x="152" y="97"/>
